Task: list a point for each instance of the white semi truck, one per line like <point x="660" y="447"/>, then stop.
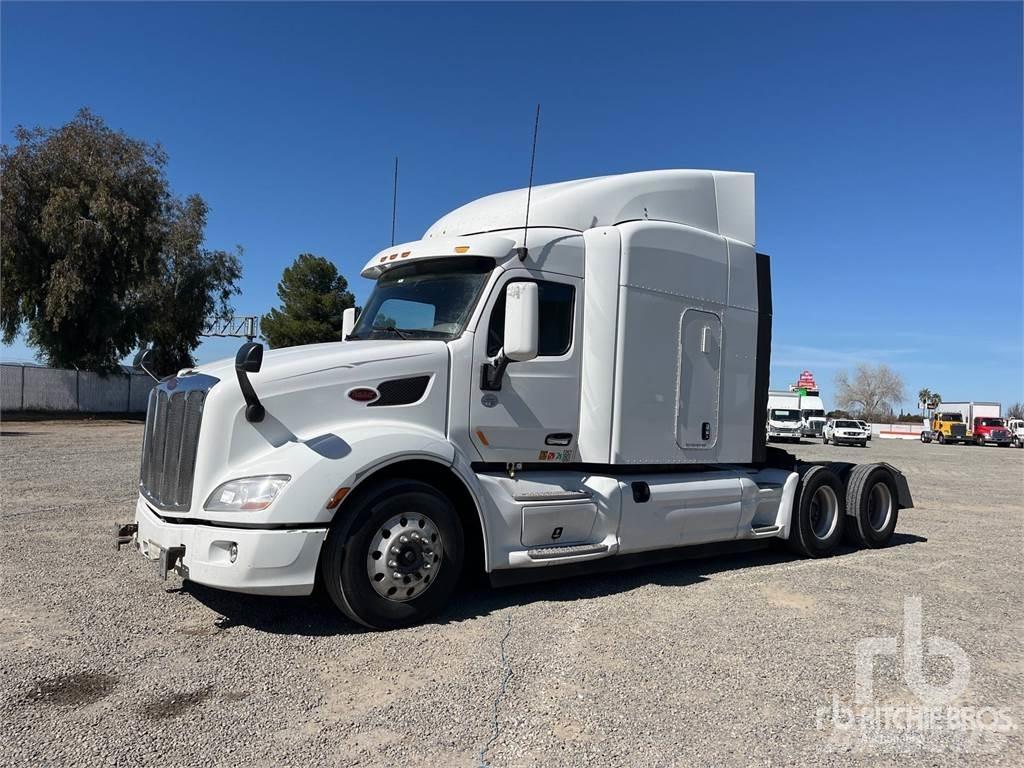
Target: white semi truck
<point x="784" y="419"/>
<point x="578" y="394"/>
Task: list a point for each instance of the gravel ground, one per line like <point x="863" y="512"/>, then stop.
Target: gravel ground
<point x="727" y="661"/>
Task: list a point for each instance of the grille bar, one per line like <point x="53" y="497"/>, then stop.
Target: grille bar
<point x="170" y="440"/>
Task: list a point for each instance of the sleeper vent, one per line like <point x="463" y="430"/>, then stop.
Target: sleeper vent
<point x="401" y="391"/>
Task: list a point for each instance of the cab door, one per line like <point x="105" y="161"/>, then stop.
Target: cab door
<point x="534" y="416"/>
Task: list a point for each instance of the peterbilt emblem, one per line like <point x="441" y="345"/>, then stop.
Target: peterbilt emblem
<point x="489" y="400"/>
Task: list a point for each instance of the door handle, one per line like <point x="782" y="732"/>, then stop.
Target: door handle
<point x="558" y="438"/>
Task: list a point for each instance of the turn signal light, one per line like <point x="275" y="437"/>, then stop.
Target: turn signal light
<point x="338" y="497"/>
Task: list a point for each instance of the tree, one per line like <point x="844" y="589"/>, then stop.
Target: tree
<point x="926" y="396"/>
<point x="194" y="286"/>
<point x="870" y="390"/>
<point x="313" y="297"/>
<point x="1015" y="411"/>
<point x="91" y="235"/>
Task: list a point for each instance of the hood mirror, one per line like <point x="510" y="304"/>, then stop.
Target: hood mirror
<point x="144" y="362"/>
<point x="249" y="359"/>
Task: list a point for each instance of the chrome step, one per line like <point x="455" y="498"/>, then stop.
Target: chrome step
<point x="764" y="530"/>
<point x="570" y="550"/>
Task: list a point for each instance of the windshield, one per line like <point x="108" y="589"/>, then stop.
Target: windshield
<point x="847" y="424"/>
<point x="990" y="422"/>
<point x="950" y="417"/>
<point x="423" y="300"/>
<point x="783" y="414"/>
<point x="812" y="413"/>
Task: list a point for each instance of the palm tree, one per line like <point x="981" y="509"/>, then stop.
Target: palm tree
<point x="929" y="399"/>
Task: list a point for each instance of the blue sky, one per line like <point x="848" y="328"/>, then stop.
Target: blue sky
<point x="886" y="139"/>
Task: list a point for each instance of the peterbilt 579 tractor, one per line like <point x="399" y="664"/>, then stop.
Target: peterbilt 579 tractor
<point x="586" y="391"/>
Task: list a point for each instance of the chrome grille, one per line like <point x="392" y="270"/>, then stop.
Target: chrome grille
<point x="173" y="419"/>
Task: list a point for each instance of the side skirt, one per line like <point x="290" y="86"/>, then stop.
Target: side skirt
<point x="506" y="577"/>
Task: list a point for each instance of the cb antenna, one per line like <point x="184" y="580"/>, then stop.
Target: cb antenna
<point x="524" y="251"/>
<point x="394" y="202"/>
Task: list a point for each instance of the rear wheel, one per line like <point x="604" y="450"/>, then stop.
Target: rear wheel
<point x="394" y="557"/>
<point x="871" y="502"/>
<point x="819" y="515"/>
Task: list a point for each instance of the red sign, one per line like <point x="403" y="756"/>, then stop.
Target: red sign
<point x="806" y="381"/>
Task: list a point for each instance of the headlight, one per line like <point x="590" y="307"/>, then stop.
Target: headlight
<point x="246" y="494"/>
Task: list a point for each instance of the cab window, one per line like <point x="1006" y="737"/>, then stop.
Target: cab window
<point x="557" y="301"/>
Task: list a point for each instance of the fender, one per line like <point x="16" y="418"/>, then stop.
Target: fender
<point x="320" y="465"/>
<point x="447" y="455"/>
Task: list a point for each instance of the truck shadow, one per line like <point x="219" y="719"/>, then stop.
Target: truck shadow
<point x="315" y="616"/>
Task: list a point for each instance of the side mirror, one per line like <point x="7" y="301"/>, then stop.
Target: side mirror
<point x="522" y="321"/>
<point x="348" y="322"/>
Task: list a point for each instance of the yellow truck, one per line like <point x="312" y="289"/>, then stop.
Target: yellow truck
<point x="947" y="427"/>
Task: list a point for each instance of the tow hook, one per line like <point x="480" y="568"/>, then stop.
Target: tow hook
<point x="124" y="533"/>
<point x="171" y="560"/>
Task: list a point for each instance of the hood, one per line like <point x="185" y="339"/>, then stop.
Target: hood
<point x="304" y="389"/>
<point x="310" y="359"/>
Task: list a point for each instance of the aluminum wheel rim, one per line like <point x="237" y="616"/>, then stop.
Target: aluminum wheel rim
<point x="404" y="557"/>
<point x="879" y="506"/>
<point x="824" y="512"/>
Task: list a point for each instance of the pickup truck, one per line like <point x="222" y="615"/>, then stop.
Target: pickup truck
<point x="848" y="431"/>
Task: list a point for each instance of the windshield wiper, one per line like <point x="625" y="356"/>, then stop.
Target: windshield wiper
<point x="392" y="328"/>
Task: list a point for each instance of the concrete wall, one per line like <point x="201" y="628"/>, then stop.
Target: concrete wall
<point x="34" y="388"/>
<point x="11" y="380"/>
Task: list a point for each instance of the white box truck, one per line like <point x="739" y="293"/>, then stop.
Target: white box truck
<point x="520" y="401"/>
<point x="784" y="419"/>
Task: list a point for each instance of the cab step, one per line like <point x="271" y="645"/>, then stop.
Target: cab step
<point x="569" y="550"/>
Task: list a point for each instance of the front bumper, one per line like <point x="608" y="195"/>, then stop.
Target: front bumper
<point x="267" y="562"/>
<point x="989" y="440"/>
<point x="838" y="439"/>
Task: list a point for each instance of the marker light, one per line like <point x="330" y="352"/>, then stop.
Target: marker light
<point x="363" y="394"/>
<point x="246" y="494"/>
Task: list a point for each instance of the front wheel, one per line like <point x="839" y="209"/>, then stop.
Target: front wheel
<point x="395" y="556"/>
<point x="941" y="439"/>
<point x="824" y="439"/>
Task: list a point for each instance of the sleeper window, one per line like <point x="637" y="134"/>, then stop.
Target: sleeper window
<point x="556" y="314"/>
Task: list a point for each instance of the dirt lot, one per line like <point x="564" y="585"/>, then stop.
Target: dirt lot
<point x="743" y="660"/>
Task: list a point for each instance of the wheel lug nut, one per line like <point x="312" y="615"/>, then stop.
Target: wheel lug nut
<point x="395" y="550"/>
<point x="396" y="575"/>
<point x="427" y="566"/>
<point x="392" y="564"/>
<point x="404" y="539"/>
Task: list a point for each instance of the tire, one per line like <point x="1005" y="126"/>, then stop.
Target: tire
<point x="819" y="514"/>
<point x="941" y="439"/>
<point x="872" y="505"/>
<point x="863" y="443"/>
<point x="824" y="439"/>
<point x="435" y="557"/>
